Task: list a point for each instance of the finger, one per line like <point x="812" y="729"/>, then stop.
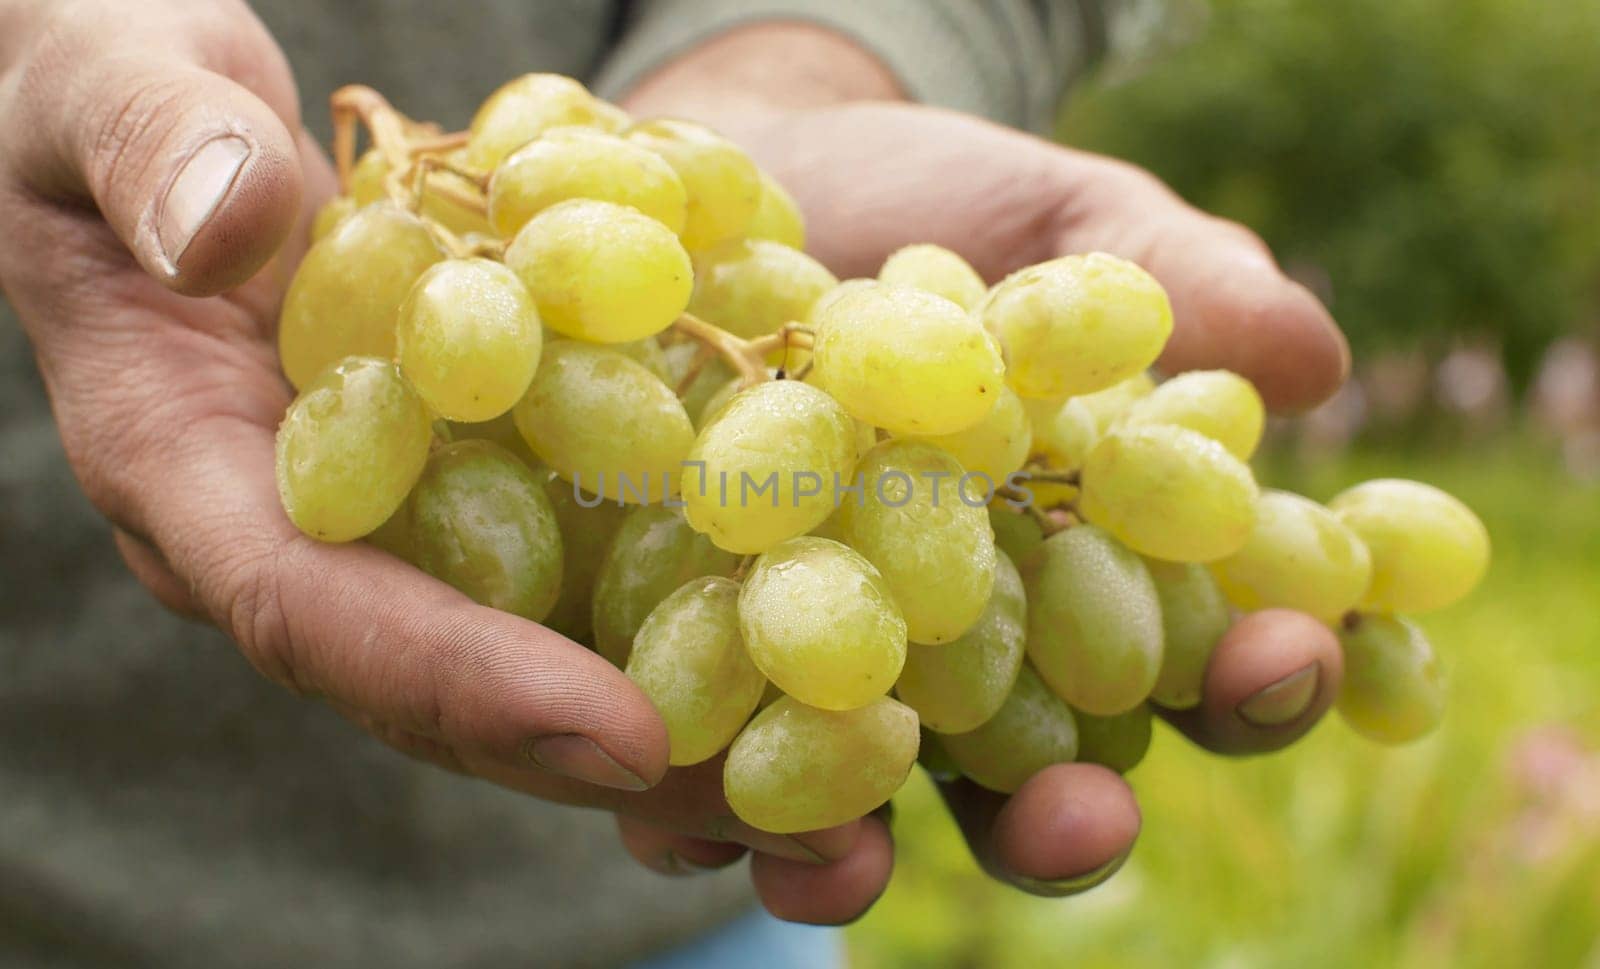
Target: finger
<point x="668" y="853"/>
<point x="831" y="894"/>
<point x="154" y="574"/>
<point x="1067" y="829"/>
<point x="1271" y="678"/>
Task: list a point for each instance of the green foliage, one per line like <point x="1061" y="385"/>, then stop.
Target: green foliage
<point x="1435" y="158"/>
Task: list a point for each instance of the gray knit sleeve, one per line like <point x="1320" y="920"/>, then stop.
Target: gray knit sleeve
<point x="1009" y="60"/>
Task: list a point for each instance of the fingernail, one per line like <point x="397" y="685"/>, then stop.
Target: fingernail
<point x="1283" y="701"/>
<point x="199" y="188"/>
<point x="1073" y="884"/>
<point x="576" y="756"/>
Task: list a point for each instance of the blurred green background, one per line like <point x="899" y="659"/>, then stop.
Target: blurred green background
<point x="1429" y="167"/>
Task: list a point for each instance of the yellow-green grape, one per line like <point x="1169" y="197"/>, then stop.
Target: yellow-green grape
<point x="648" y="354"/>
<point x="708" y="381"/>
<point x="587" y="527"/>
<point x="723" y="183"/>
<point x="937" y="270"/>
<point x="602" y="272"/>
<point x="653" y="552"/>
<point x="369" y="183"/>
<point x="394" y="535"/>
<point x="583" y="163"/>
<point x="750" y="287"/>
<point x="936" y="760"/>
<point x="1094" y="621"/>
<point x="468" y="339"/>
<point x="605" y="423"/>
<point x="1109" y="406"/>
<point x="959" y="685"/>
<point x="350" y="448"/>
<point x="1077" y="324"/>
<point x="1033" y="729"/>
<point x="501" y="430"/>
<point x="932" y="543"/>
<point x="1298" y="556"/>
<point x="690" y="660"/>
<point x="1219" y="404"/>
<point x="906" y="361"/>
<point x="796" y="768"/>
<point x="1194" y="616"/>
<point x="1015" y="533"/>
<point x="332" y="212"/>
<point x="348" y="289"/>
<point x="820" y="623"/>
<point x="777" y="216"/>
<point x="717" y="401"/>
<point x="1393" y="688"/>
<point x="995" y="446"/>
<point x="1170" y="493"/>
<point x="1062" y="432"/>
<point x="1118" y="742"/>
<point x="610" y="118"/>
<point x="1428" y="549"/>
<point x="480" y="521"/>
<point x="814" y="316"/>
<point x="770" y="695"/>
<point x="524" y="108"/>
<point x="764" y="468"/>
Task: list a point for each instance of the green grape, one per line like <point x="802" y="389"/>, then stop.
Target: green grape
<point x="583" y="163"/>
<point x="602" y="272"/>
<point x="937" y="270"/>
<point x="1033" y="730"/>
<point x="605" y="423"/>
<point x="1298" y="556"/>
<point x="1077" y="324"/>
<point x="1107" y="407"/>
<point x="751" y="287"/>
<point x="481" y="522"/>
<point x="995" y="446"/>
<point x="777" y="216"/>
<point x="712" y="377"/>
<point x="1015" y="533"/>
<point x="350" y="448"/>
<point x="648" y="354"/>
<point x="653" y="553"/>
<point x="796" y="768"/>
<point x="1062" y="432"/>
<point x="956" y="687"/>
<point x="717" y="401"/>
<point x="524" y="108"/>
<point x="587" y="527"/>
<point x="332" y="212"/>
<point x="813" y="316"/>
<point x="723" y="183"/>
<point x="764" y="468"/>
<point x="1221" y="405"/>
<point x="690" y="660"/>
<point x="369" y="183"/>
<point x="1393" y="688"/>
<point x="906" y="361"/>
<point x="1194" y="616"/>
<point x="820" y="623"/>
<point x="935" y="760"/>
<point x="934" y="548"/>
<point x="394" y="535"/>
<point x="468" y="339"/>
<point x="769" y="695"/>
<point x="1169" y="493"/>
<point x="501" y="430"/>
<point x="1428" y="549"/>
<point x="344" y="297"/>
<point x="1119" y="742"/>
<point x="1094" y="621"/>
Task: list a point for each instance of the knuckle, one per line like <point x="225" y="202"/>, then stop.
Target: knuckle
<point x="249" y="605"/>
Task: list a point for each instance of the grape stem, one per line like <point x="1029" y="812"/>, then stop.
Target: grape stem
<point x="1050" y="476"/>
<point x="702" y="359"/>
<point x="746" y="357"/>
<point x="1047" y="523"/>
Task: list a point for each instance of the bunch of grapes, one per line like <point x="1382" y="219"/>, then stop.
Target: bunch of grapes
<point x="579" y="368"/>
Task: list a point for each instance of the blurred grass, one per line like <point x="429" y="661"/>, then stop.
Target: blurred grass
<point x="1336" y="852"/>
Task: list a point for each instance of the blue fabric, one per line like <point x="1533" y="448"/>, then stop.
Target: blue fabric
<point x="757" y="940"/>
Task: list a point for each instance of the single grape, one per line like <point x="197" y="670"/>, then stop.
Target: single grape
<point x="653" y="553"/>
<point x="1077" y="324"/>
<point x="605" y="423"/>
<point x="820" y="623"/>
<point x="501" y="430"/>
<point x="933" y="546"/>
<point x="344" y="297"/>
<point x="602" y="272"/>
<point x="796" y="768"/>
<point x="1062" y="432"/>
<point x="813" y="317"/>
<point x="751" y="287"/>
<point x="995" y="446"/>
<point x="906" y="361"/>
<point x="587" y="526"/>
<point x="583" y="163"/>
<point x="1033" y="729"/>
<point x="777" y="216"/>
<point x="690" y="660"/>
<point x="937" y="270"/>
<point x="524" y="108"/>
<point x="349" y="449"/>
<point x="724" y="185"/>
<point x="610" y="118"/>
<point x="1015" y="533"/>
<point x="1118" y="742"/>
<point x="1393" y="688"/>
<point x="394" y="535"/>
<point x="1298" y="556"/>
<point x="332" y="212"/>
<point x="1108" y="407"/>
<point x="959" y="685"/>
<point x="1094" y="621"/>
<point x="648" y="354"/>
<point x="765" y="467"/>
<point x="1169" y="493"/>
<point x="1221" y="405"/>
<point x="1428" y="549"/>
<point x="1194" y="615"/>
